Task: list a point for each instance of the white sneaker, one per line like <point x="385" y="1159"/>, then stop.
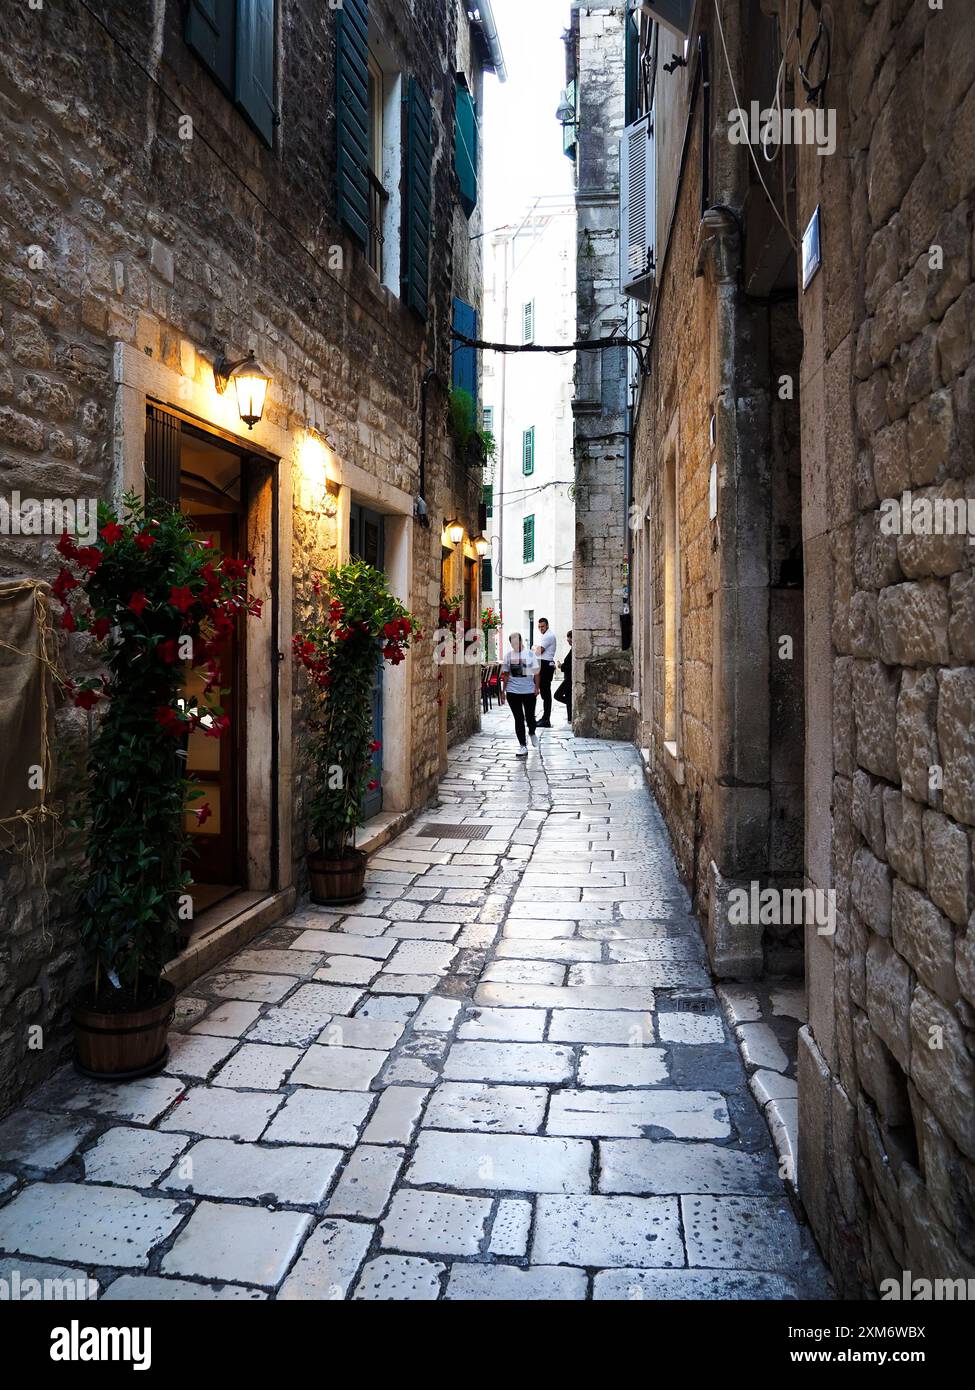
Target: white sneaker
<point x="534" y="739"/>
<point x="522" y="753"/>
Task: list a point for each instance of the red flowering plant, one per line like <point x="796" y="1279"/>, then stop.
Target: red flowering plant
<point x="155" y="597"/>
<point x="450" y="608"/>
<point x="361" y="626"/>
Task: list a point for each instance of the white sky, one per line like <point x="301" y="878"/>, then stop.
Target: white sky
<point x="522" y="139"/>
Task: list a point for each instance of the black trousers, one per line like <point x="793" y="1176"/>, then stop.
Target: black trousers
<point x="545" y="687"/>
<point x="523" y="709"/>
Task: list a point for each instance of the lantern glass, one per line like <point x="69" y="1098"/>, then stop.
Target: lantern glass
<point x="482" y="545"/>
<point x="251" y="386"/>
<point x="455" y="530"/>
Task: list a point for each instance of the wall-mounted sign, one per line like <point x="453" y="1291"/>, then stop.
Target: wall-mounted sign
<point x="812" y="257"/>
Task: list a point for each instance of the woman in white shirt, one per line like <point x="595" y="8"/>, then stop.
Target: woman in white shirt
<point x="520" y="675"/>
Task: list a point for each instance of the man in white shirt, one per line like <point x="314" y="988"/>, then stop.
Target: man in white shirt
<point x="545" y="650"/>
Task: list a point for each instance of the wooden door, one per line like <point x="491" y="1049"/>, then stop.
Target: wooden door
<point x="367" y="542"/>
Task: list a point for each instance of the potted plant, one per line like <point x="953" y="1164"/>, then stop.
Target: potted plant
<point x="361" y="626"/>
<point x="475" y="445"/>
<point x="490" y="622"/>
<point x="153" y="597"/>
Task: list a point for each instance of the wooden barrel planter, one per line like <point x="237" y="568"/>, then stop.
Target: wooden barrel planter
<point x="123" y="1046"/>
<point x="337" y="880"/>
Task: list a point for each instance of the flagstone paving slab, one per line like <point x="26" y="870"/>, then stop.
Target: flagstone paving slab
<point x="511" y="1228"/>
<point x="246" y="1245"/>
<point x="400" y="1277"/>
<point x="395" y="1118"/>
<point x="258" y="1066"/>
<point x="254" y="985"/>
<point x="500" y="1061"/>
<point x="661" y="1167"/>
<point x="339" y="1068"/>
<point x="376" y="1033"/>
<point x="436" y="1223"/>
<point x="140" y="1288"/>
<point x="622" y="1066"/>
<point x="223" y="1113"/>
<point x="672" y="1114"/>
<point x="328" y="1262"/>
<point x="605" y="1231"/>
<point x="500" y="1162"/>
<point x="222" y="1168"/>
<point x="320" y="1117"/>
<point x="197" y="1055"/>
<point x="503" y="1025"/>
<point x="132" y="1157"/>
<point x="142" y="1102"/>
<point x="508" y="1109"/>
<point x="228" y="1020"/>
<point x="81" y="1221"/>
<point x="601" y="1026"/>
<point x="510" y="1284"/>
<point x="635" y="1284"/>
<point x="38" y="1140"/>
<point x="366" y="1182"/>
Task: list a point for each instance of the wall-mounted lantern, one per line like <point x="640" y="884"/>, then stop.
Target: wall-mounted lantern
<point x="250" y="382"/>
<point x="455" y="531"/>
<point x="482" y="545"/>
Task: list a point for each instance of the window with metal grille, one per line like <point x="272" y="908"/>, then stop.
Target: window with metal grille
<point x="528" y="540"/>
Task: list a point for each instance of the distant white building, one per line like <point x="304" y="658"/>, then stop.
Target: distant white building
<point x="529" y="296"/>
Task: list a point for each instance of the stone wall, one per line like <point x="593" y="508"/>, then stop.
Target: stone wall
<point x="120" y="228"/>
<point x="887" y="1077"/>
<point x="602" y="702"/>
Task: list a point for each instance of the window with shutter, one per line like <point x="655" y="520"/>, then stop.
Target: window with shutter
<point x="528" y="322"/>
<point x="210" y="26"/>
<point x="465" y="147"/>
<point x="352" y="117"/>
<point x="489" y="419"/>
<point x="487" y="497"/>
<point x="464" y="368"/>
<point x="417" y="198"/>
<point x="255" y="64"/>
<point x="528" y="450"/>
<point x="528" y="540"/>
<point x="487" y="576"/>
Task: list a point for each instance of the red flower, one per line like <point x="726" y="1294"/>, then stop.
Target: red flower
<point x="89" y="556"/>
<point x="167" y="651"/>
<point x="375" y="746"/>
<point x="203" y="813"/>
<point x="181" y="598"/>
<point x="68" y="622"/>
<point x="255" y="607"/>
<point x="63" y="585"/>
<point x="100" y="628"/>
<point x="373" y="785"/>
<point x="111" y="533"/>
<point x="67" y="547"/>
<point x="391" y="629"/>
<point x="217" y="727"/>
<point x="137" y="602"/>
<point x="86" y="698"/>
<point x="143" y="540"/>
<point x="235" y="569"/>
<point x="169" y="720"/>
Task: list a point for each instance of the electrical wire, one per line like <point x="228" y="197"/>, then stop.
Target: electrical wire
<point x="739" y="107"/>
<point x="583" y="345"/>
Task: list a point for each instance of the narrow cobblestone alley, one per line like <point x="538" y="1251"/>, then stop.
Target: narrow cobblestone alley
<point x="502" y="1076"/>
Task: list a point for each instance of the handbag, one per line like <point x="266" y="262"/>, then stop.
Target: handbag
<point x="562" y="694"/>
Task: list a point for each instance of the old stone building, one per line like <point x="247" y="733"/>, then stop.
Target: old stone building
<point x="602" y="667"/>
<point x="184" y="182"/>
<point x="803" y="633"/>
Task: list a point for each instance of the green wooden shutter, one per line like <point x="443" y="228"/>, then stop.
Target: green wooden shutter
<point x="255" y="64"/>
<point x="210" y="28"/>
<point x="419" y="163"/>
<point x="487" y="498"/>
<point x="528" y="321"/>
<point x="528" y="540"/>
<point x="487" y="576"/>
<point x="352" y="117"/>
<point x="528" y="450"/>
<point x="465" y="147"/>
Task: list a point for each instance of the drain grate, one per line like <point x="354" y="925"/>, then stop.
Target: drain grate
<point x="452" y="832"/>
<point x="695" y="1004"/>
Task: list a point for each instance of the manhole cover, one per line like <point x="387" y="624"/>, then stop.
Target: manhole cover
<point x="453" y="832"/>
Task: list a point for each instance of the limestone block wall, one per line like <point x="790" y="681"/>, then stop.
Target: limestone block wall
<point x="887" y="1064"/>
<point x="123" y="230"/>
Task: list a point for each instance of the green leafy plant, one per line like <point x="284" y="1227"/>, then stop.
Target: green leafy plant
<point x="158" y="600"/>
<point x="468" y="434"/>
<point x="361" y="625"/>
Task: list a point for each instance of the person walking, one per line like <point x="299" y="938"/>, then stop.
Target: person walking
<point x="520" y="672"/>
<point x="564" y="692"/>
<point x="545" y="650"/>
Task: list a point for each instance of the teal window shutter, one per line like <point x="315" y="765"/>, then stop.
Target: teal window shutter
<point x="464" y="365"/>
<point x="352" y="117"/>
<point x="528" y="540"/>
<point x="528" y="321"/>
<point x="528" y="450"/>
<point x="210" y="26"/>
<point x="487" y="576"/>
<point x="255" y="64"/>
<point x="487" y="498"/>
<point x="465" y="147"/>
<point x="418" y="195"/>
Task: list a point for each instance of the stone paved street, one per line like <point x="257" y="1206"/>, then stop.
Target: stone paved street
<point x="505" y="1075"/>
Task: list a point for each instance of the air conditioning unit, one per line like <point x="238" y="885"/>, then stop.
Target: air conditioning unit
<point x="674" y="15"/>
<point x="638" y="209"/>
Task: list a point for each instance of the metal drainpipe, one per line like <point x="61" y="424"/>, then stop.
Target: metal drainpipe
<point x="626" y="638"/>
<point x="428" y="376"/>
